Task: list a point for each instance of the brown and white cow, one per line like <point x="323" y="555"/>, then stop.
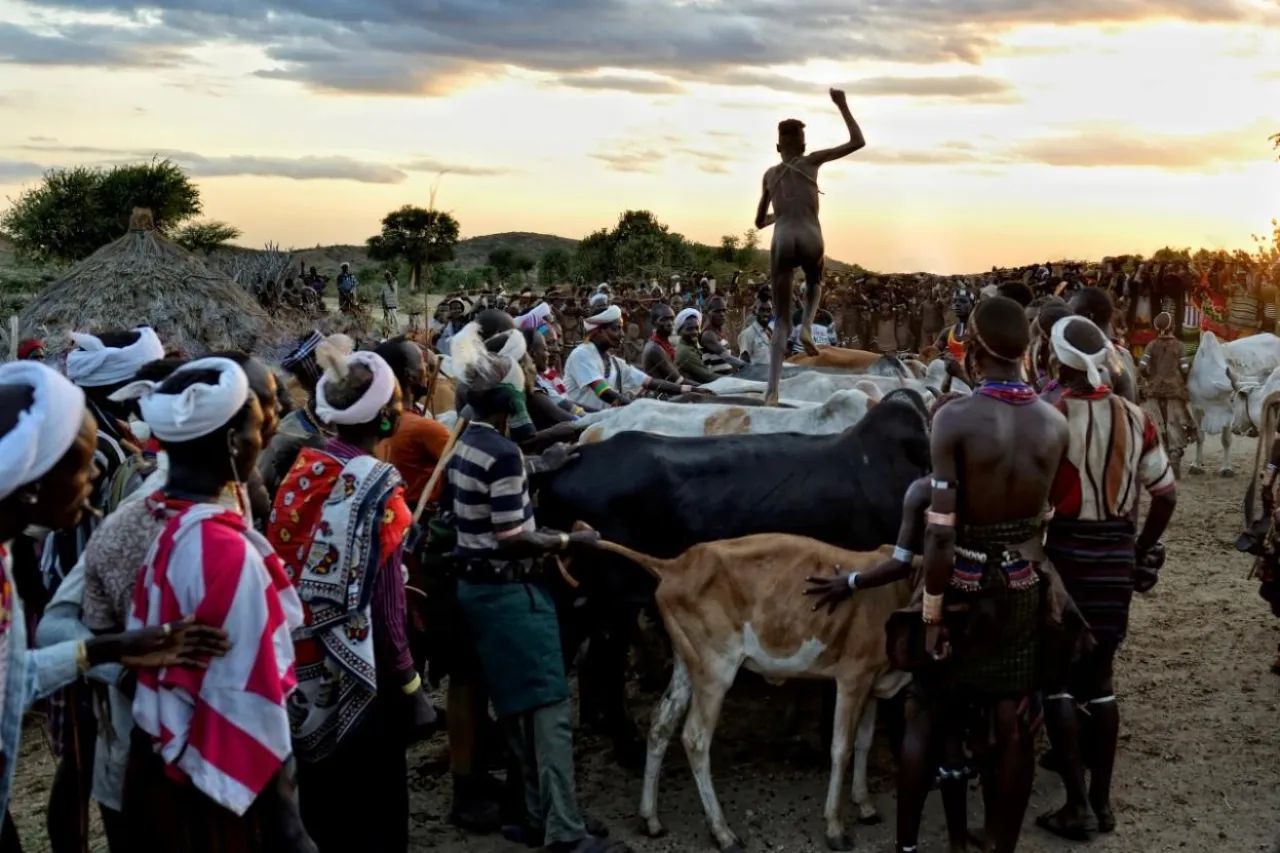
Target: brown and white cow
<point x="741" y="602"/>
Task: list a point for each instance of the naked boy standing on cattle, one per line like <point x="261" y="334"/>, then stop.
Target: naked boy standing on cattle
<point x="983" y="544"/>
<point x="792" y="188"/>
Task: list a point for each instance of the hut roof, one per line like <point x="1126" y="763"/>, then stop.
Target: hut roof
<point x="143" y="279"/>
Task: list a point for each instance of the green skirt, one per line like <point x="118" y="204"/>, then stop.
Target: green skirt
<point x="517" y="637"/>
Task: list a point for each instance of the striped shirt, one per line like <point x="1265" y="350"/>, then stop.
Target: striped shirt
<point x="488" y="491"/>
<point x="1114" y="448"/>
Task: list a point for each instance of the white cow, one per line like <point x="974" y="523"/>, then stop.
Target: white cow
<point x="1247" y="403"/>
<point x="841" y="411"/>
<point x="936" y="376"/>
<point x="815" y="387"/>
<point x="1215" y="380"/>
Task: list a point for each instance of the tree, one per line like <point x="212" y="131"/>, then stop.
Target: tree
<point x="503" y="261"/>
<point x="748" y="247"/>
<point x="554" y="267"/>
<point x="421" y="237"/>
<point x="205" y="236"/>
<point x="74" y="212"/>
<point x="728" y="249"/>
<point x="524" y="264"/>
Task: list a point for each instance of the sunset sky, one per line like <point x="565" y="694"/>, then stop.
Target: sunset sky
<point x="998" y="131"/>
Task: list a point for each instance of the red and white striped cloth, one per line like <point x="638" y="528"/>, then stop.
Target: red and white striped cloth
<point x="226" y="727"/>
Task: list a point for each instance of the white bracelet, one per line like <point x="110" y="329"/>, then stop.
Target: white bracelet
<point x="902" y="555"/>
<point x="853" y="580"/>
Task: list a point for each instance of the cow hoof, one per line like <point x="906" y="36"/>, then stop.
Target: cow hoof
<point x="1226" y="472"/>
<point x="843" y="841"/>
<point x="1196" y="471"/>
<point x="653" y="828"/>
<point x="870" y="818"/>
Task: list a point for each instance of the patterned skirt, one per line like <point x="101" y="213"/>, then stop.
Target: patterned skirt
<point x="1096" y="562"/>
<point x="996" y="644"/>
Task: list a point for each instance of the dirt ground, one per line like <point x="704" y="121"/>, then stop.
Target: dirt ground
<point x="1199" y="757"/>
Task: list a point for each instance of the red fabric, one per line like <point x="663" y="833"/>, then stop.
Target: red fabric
<point x="666" y="345"/>
<point x="29" y="346"/>
<point x="214" y="725"/>
<point x="292" y="525"/>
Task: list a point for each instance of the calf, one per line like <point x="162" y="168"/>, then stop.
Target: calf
<point x="841" y="411"/>
<point x="741" y="602"/>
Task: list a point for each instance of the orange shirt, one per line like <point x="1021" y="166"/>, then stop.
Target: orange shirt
<point x="414" y="450"/>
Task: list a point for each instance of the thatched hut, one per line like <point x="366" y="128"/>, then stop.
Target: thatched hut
<point x="143" y="279"/>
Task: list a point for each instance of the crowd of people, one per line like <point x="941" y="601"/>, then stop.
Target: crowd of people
<point x="223" y="624"/>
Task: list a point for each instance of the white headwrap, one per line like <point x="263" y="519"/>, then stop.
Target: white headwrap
<point x="612" y="314"/>
<point x="469" y="354"/>
<point x="534" y="318"/>
<point x="195" y="411"/>
<point x="1071" y="357"/>
<point x="687" y="314"/>
<point x="95" y="364"/>
<point x="598" y="300"/>
<point x="364" y="410"/>
<point x="45" y="432"/>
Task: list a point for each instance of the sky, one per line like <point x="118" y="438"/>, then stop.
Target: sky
<point x="999" y="132"/>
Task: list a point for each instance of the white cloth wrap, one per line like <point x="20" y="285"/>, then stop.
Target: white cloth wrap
<point x="366" y="409"/>
<point x="44" y="432"/>
<point x="534" y="318"/>
<point x="687" y="314"/>
<point x="1071" y="357"/>
<point x="94" y="364"/>
<point x="612" y="314"/>
<point x="196" y="410"/>
<point x="598" y="300"/>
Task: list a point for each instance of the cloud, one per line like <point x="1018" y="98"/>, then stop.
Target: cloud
<point x="91" y="46"/>
<point x="648" y="154"/>
<point x="427" y="164"/>
<point x="399" y="47"/>
<point x="16" y="171"/>
<point x="1092" y="148"/>
<point x="620" y="83"/>
<point x="632" y="160"/>
<point x="967" y="87"/>
<point x="306" y="168"/>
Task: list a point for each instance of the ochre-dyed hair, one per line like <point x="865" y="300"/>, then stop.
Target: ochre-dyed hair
<point x="791" y="127"/>
<point x="1001" y="325"/>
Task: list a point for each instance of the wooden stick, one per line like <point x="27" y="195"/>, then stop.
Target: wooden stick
<point x="439" y="470"/>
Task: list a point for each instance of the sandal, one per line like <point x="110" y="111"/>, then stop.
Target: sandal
<point x="1056" y="823"/>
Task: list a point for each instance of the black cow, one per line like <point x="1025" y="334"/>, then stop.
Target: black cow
<point x="662" y="495"/>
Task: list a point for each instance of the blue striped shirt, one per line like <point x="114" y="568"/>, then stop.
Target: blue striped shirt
<point x="488" y="491"/>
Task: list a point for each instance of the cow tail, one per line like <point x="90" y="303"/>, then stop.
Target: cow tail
<point x="652" y="565"/>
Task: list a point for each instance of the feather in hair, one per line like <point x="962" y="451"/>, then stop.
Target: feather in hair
<point x="331" y="361"/>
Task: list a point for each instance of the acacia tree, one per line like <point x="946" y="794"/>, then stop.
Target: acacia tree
<point x="503" y="261"/>
<point x="420" y="237"/>
<point x="554" y="267"/>
<point x="74" y="212"/>
<point x="205" y="236"/>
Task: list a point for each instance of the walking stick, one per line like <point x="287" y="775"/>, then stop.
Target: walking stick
<point x="439" y="470"/>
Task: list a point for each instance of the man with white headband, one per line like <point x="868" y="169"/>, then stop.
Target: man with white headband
<point x="209" y="422"/>
<point x="101" y="363"/>
<point x="1094" y="304"/>
<point x="596" y="379"/>
<point x="688" y="350"/>
<point x="46" y="459"/>
<point x="1114" y="446"/>
<point x="338" y="522"/>
<point x="984" y="560"/>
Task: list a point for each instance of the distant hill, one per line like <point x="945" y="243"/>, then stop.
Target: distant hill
<point x="474" y="252"/>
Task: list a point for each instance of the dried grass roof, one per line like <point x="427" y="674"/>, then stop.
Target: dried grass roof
<point x="143" y="279"/>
